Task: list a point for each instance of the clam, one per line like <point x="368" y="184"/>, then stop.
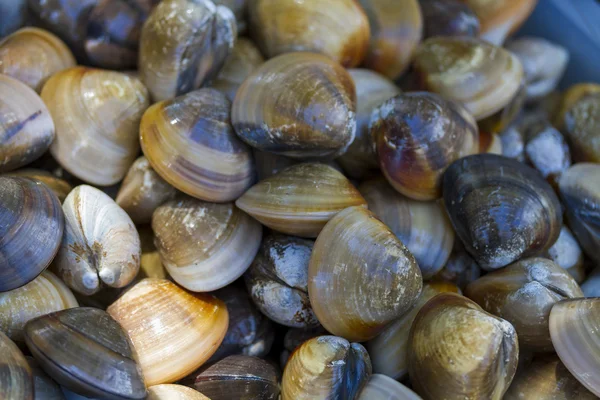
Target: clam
<point x="101" y="127"/>
<point x="100" y="246"/>
<point x="301" y="199"/>
<point x="580" y="192"/>
<point x="205" y="246"/>
<point x="183" y="44"/>
<point x="299" y="105"/>
<point x="501" y="209"/>
<point x="523" y="294"/>
<point x="547" y="150"/>
<point x="88" y="352"/>
<point x="339" y="31"/>
<point x="170" y="392"/>
<point x="448" y="18"/>
<point x="417" y="136"/>
<point x="239" y="9"/>
<point x="237" y="377"/>
<point x="573" y="327"/>
<point x="43" y="295"/>
<point x="326" y="367"/>
<point x="31" y="228"/>
<point x="381" y="387"/>
<point x="189" y="142"/>
<point x="142" y="191"/>
<point x="13" y="15"/>
<point x="173" y="331"/>
<point x="423" y="227"/>
<point x="357" y="257"/>
<point x="481" y="76"/>
<point x="460" y="269"/>
<point x="44" y="387"/>
<point x="33" y="55"/>
<point x="294" y="338"/>
<point x="372" y="89"/>
<point x="16" y="379"/>
<point x="389" y="350"/>
<point x="396" y="30"/>
<point x="269" y="164"/>
<point x="567" y="254"/>
<point x="277" y="281"/>
<point x="459" y="351"/>
<point x="26" y="127"/>
<point x="59" y="186"/>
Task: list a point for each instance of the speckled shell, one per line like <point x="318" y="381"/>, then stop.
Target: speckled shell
<point x="16" y="379"/>
<point x="448" y="18"/>
<point x="299" y="105"/>
<point x="326" y="367"/>
<point x="60" y="187"/>
<point x="100" y="246"/>
<point x="501" y="209"/>
<point x="500" y="18"/>
<point x="174" y="392"/>
<point x="481" y="76"/>
<point x="277" y="281"/>
<point x="567" y="254"/>
<point x="173" y="331"/>
<point x="301" y="199"/>
<point x="31" y="228"/>
<point x="189" y="141"/>
<point x="460" y="269"/>
<point x="339" y="31"/>
<point x="357" y="257"/>
<point x="43" y="386"/>
<point x="101" y="127"/>
<point x="460" y="351"/>
<point x="417" y="136"/>
<point x="381" y="387"/>
<point x="26" y="127"/>
<point x="183" y="44"/>
<point x="396" y="30"/>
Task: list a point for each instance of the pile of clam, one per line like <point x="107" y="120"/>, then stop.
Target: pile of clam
<point x="283" y="199"/>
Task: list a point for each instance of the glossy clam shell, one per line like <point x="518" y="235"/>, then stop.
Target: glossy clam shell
<point x="183" y="44"/>
<point x="43" y="295"/>
<point x="189" y="141"/>
<point x="301" y="199"/>
<point x="340" y="31"/>
<point x="581" y="121"/>
<point x="423" y="227"/>
<point x="205" y="246"/>
<point x="16" y="379"/>
<point x="33" y="55"/>
<point x="174" y="392"/>
<point x="101" y="127"/>
<point x="26" y="126"/>
<point x="580" y="192"/>
<point x="417" y="136"/>
<point x="31" y="228"/>
<point x="523" y="294"/>
<point x="573" y="327"/>
<point x="501" y="18"/>
<point x="396" y="30"/>
<point x="60" y="187"/>
<point x="277" y="281"/>
<point x="482" y="77"/>
<point x="87" y="351"/>
<point x="326" y="367"/>
<point x="173" y="331"/>
<point x="299" y="105"/>
<point x="43" y="386"/>
<point x="459" y="351"/>
<point x="142" y="191"/>
<point x="100" y="246"/>
<point x="501" y="209"/>
<point x="567" y="254"/>
<point x="460" y="269"/>
<point x="381" y="387"/>
<point x="357" y="257"/>
<point x="448" y="18"/>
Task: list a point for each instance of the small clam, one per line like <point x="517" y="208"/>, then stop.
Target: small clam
<point x="31" y="228"/>
<point x="205" y="246"/>
<point x="357" y="257"/>
<point x="101" y="127"/>
<point x="340" y="30"/>
<point x="13" y="15"/>
<point x="459" y="351"/>
<point x="59" y="186"/>
<point x="547" y="150"/>
<point x="87" y="351"/>
<point x="580" y="192"/>
<point x="417" y="136"/>
<point x="301" y="199"/>
<point x="189" y="141"/>
<point x="173" y="331"/>
<point x="142" y="191"/>
<point x="501" y="209"/>
<point x="326" y="367"/>
<point x="460" y="269"/>
<point x="448" y="18"/>
<point x="372" y="89"/>
<point x="299" y="105"/>
<point x="171" y="392"/>
<point x="16" y="379"/>
<point x="26" y="127"/>
<point x="381" y="387"/>
<point x="277" y="281"/>
<point x="574" y="325"/>
<point x="43" y="386"/>
<point x="567" y="254"/>
<point x="423" y="227"/>
<point x="183" y="44"/>
<point x="396" y="30"/>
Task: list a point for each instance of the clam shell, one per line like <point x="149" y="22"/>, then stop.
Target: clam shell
<point x="60" y="187"/>
<point x="269" y="164"/>
<point x="174" y="392"/>
<point x="16" y="379"/>
<point x="381" y="387"/>
<point x="239" y="9"/>
<point x="43" y="386"/>
<point x="580" y="112"/>
<point x="448" y="18"/>
<point x="547" y="150"/>
<point x="567" y="254"/>
<point x="294" y="338"/>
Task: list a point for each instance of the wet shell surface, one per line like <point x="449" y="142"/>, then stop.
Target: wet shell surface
<point x="16" y="379"/>
<point x="44" y="387"/>
<point x="580" y="120"/>
<point x="59" y="186"/>
<point x="448" y="18"/>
